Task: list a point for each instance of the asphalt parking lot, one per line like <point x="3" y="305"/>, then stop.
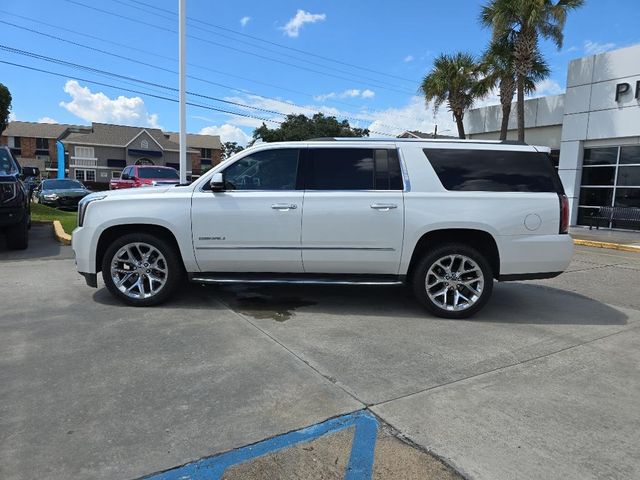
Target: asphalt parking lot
<point x="543" y="383"/>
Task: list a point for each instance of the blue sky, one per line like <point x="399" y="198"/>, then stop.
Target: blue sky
<point x="357" y="60"/>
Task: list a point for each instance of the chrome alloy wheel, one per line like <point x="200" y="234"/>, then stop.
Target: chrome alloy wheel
<point x="139" y="270"/>
<point x="454" y="282"/>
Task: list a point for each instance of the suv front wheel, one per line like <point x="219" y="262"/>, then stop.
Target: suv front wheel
<point x="453" y="281"/>
<point x="141" y="269"/>
<point x="18" y="234"/>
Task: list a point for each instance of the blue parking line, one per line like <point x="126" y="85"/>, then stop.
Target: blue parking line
<point x="360" y="466"/>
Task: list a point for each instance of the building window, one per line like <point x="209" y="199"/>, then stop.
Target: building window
<point x="84" y="152"/>
<point x="85" y="175"/>
<point x="144" y="144"/>
<point x="42" y="144"/>
<point x="206" y="153"/>
<point x="15" y="145"/>
<point x="610" y="177"/>
<point x="115" y="174"/>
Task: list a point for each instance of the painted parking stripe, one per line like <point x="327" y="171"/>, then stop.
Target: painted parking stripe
<point x="360" y="466"/>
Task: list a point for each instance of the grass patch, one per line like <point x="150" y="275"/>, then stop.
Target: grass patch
<point x="43" y="213"/>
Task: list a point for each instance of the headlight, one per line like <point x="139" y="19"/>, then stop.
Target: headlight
<point x="84" y="204"/>
<point x="51" y="196"/>
<point x="8" y="191"/>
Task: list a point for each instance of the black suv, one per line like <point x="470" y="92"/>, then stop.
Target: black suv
<point x="15" y="210"/>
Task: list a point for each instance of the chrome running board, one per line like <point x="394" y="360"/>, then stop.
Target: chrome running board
<point x="372" y="280"/>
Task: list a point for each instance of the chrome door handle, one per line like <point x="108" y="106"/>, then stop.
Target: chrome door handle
<point x="284" y="206"/>
<point x="383" y="207"/>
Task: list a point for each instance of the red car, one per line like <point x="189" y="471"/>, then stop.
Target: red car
<point x="145" y="176"/>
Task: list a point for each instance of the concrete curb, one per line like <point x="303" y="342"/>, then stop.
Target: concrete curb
<point x="609" y="245"/>
<point x="62" y="236"/>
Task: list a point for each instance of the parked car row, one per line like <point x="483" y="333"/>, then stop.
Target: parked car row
<point x="145" y="176"/>
<point x="60" y="193"/>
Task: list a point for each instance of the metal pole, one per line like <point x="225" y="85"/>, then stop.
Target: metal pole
<point x="182" y="43"/>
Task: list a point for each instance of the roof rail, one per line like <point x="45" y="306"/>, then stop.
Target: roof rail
<point x="416" y="140"/>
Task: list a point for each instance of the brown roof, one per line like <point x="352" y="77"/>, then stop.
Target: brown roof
<point x="118" y="135"/>
<point x="35" y="130"/>
<point x="195" y="140"/>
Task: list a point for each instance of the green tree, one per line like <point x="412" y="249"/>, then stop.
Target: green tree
<point x="498" y="64"/>
<point x="300" y="127"/>
<point x="230" y="148"/>
<point x="526" y="21"/>
<point x="454" y="80"/>
<point x="5" y="107"/>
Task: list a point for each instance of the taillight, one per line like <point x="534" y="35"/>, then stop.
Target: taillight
<point x="564" y="213"/>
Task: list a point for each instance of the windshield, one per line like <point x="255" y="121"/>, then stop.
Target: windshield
<point x="7" y="165"/>
<point x="61" y="184"/>
<point x="156" y="172"/>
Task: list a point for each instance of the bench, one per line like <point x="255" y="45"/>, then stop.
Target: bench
<point x="625" y="214"/>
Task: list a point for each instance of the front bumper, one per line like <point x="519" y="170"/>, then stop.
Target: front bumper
<point x="84" y="249"/>
<point x="11" y="216"/>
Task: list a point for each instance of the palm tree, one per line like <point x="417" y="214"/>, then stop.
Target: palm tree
<point x="454" y="80"/>
<point x="527" y="21"/>
<point x="498" y="65"/>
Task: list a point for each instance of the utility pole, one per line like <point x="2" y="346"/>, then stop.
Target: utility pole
<point x="182" y="45"/>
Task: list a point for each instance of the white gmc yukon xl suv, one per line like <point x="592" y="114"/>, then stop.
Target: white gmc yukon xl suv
<point x="445" y="217"/>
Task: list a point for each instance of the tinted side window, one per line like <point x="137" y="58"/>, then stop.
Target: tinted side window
<point x="353" y="169"/>
<point x="266" y="170"/>
<point x="494" y="170"/>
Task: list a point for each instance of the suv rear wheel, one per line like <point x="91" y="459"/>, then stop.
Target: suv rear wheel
<point x="453" y="281"/>
<point x="141" y="269"/>
<point x="18" y="234"/>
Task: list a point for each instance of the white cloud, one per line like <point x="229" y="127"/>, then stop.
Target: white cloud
<point x="12" y="117"/>
<point x="409" y="58"/>
<point x="354" y="92"/>
<point x="293" y="26"/>
<point x="244" y="21"/>
<point x="547" y="87"/>
<point x="47" y="120"/>
<point x="98" y="107"/>
<point x="349" y="93"/>
<point x="227" y="133"/>
<point x="594" y="48"/>
<point x="415" y="115"/>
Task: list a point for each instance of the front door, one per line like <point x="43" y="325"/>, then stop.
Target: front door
<point x="353" y="218"/>
<point x="253" y="226"/>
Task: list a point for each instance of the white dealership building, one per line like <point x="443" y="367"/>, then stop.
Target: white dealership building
<point x="593" y="131"/>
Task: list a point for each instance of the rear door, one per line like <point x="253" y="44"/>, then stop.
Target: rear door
<point x="353" y="215"/>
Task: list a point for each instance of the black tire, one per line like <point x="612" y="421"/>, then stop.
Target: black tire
<point x="173" y="263"/>
<point x="18" y="234"/>
<point x="419" y="280"/>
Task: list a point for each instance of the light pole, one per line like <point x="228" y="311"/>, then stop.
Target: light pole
<point x="182" y="45"/>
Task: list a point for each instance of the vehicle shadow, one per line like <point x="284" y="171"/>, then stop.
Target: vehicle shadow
<point x="513" y="302"/>
<point x="42" y="245"/>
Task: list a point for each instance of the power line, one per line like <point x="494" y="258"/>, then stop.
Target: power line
<point x="144" y="82"/>
<point x="122" y="57"/>
<point x="236" y="40"/>
<point x="264" y="57"/>
<point x="195" y="65"/>
<point x="138" y="92"/>
<point x="219" y="27"/>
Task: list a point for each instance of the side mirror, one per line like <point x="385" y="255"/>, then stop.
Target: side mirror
<point x="217" y="182"/>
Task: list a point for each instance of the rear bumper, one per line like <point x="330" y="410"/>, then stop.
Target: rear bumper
<point x="526" y="257"/>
